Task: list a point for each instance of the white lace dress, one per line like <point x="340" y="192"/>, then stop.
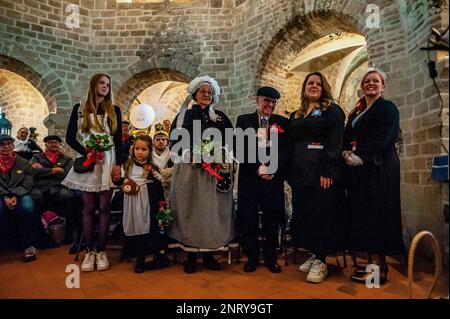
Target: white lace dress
<point x="100" y="179"/>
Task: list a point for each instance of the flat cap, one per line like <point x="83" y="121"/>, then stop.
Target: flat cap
<point x="6" y="137"/>
<point x="52" y="138"/>
<point x="268" y="92"/>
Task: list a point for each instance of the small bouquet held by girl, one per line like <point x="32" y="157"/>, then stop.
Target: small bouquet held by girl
<point x="165" y="215"/>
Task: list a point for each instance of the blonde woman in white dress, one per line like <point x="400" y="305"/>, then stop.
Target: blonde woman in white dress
<point x="99" y="116"/>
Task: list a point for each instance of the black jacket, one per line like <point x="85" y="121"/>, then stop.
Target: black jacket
<point x="375" y="133"/>
<point x="18" y="181"/>
<point x="71" y="134"/>
<point x="316" y="144"/>
<point x="249" y="171"/>
<point x="43" y="179"/>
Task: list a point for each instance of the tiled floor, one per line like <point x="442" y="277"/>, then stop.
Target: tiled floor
<point x="46" y="278"/>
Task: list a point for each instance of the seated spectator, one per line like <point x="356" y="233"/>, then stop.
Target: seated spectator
<point x="16" y="203"/>
<point x="24" y="146"/>
<point x="49" y="170"/>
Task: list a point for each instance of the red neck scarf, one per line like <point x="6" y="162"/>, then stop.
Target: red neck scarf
<point x="7" y="162"/>
<point x="53" y="157"/>
<point x="125" y="137"/>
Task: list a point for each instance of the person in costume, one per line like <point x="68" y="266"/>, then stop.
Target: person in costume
<point x="203" y="211"/>
<point x="95" y="118"/>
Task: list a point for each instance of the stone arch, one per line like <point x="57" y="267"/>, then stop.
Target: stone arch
<point x="137" y="83"/>
<point x="282" y="54"/>
<point x="22" y="103"/>
<point x="27" y="64"/>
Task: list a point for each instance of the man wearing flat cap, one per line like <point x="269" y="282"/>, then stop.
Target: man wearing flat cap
<point x="15" y="201"/>
<point x="258" y="188"/>
<point x="49" y="170"/>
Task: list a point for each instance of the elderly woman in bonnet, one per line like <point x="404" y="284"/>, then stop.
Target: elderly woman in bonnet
<point x="204" y="220"/>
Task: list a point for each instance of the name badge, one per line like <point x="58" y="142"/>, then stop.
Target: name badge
<point x="315" y="146"/>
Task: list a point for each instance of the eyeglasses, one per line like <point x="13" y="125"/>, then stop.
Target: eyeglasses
<point x="268" y="100"/>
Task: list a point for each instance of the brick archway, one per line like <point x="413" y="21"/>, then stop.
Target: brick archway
<point x="132" y="87"/>
<point x="27" y="64"/>
<point x="282" y="53"/>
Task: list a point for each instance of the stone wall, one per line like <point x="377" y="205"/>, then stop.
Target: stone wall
<point x="244" y="44"/>
<point x="22" y="103"/>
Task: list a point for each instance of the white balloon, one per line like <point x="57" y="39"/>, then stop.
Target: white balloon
<point x="142" y="116"/>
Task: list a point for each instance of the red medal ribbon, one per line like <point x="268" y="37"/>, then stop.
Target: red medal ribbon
<point x="207" y="167"/>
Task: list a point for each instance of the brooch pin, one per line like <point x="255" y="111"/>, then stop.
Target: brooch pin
<point x="19" y="172"/>
<point x="316" y="112"/>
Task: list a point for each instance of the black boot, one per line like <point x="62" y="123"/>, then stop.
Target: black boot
<point x="210" y="263"/>
<point x="190" y="265"/>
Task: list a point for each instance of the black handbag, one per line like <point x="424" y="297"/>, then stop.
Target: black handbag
<point x="79" y="168"/>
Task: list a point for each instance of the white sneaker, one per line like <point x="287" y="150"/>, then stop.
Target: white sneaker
<point x="306" y="266"/>
<point x="102" y="261"/>
<point x="88" y="262"/>
<point x="318" y="272"/>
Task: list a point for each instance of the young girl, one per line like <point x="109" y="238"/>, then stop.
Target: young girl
<point x="96" y="116"/>
<point x="139" y="207"/>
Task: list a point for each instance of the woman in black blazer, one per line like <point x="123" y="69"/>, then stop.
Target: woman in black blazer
<point x="316" y="133"/>
<point x="373" y="175"/>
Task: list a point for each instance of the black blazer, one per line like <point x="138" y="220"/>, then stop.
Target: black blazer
<point x="249" y="171"/>
<point x="375" y="133"/>
<point x="316" y="144"/>
<point x="43" y="179"/>
<point x="18" y="181"/>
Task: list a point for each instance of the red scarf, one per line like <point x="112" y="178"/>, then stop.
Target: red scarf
<point x="125" y="137"/>
<point x="53" y="157"/>
<point x="7" y="162"/>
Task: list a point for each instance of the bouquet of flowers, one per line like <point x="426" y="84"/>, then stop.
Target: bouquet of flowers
<point x="207" y="148"/>
<point x="96" y="145"/>
<point x="165" y="215"/>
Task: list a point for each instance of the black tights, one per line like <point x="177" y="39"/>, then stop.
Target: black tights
<point x="104" y="206"/>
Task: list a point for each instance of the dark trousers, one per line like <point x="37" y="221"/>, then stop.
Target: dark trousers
<point x="268" y="197"/>
<point x="25" y="218"/>
<point x="64" y="203"/>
